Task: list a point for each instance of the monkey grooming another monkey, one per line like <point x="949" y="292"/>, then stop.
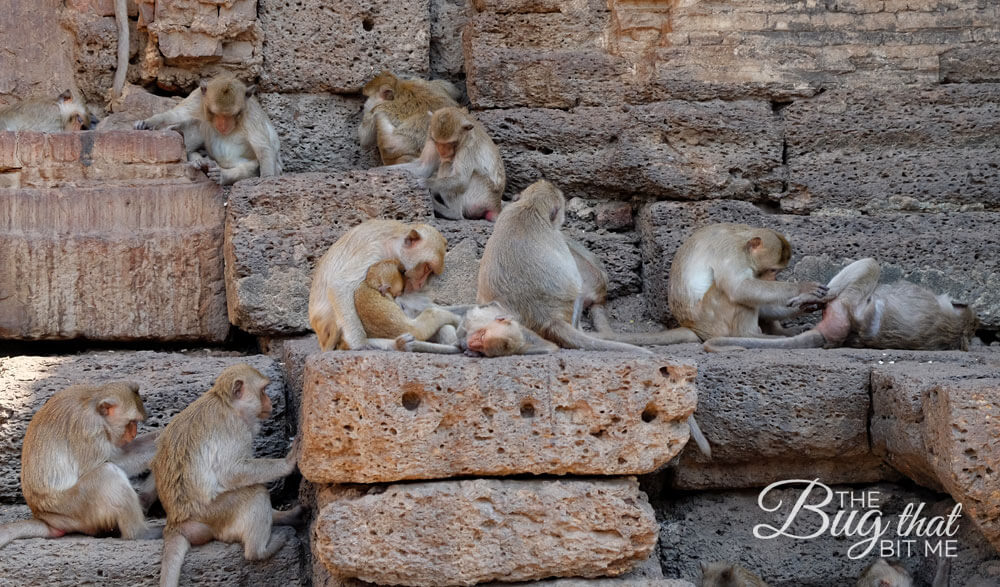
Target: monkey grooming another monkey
<point x="722" y="283"/>
<point x="382" y="317"/>
<point x="462" y="165"/>
<point x="861" y="313"/>
<point x="332" y="314"/>
<point x="397" y="112"/>
<point x="78" y="453"/>
<point x="223" y="117"/>
<point x="528" y="267"/>
<point x="64" y="114"/>
<point x="726" y="574"/>
<point x="210" y="484"/>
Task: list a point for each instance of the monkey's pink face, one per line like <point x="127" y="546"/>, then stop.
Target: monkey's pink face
<point x="417" y="277"/>
<point x="129" y="434"/>
<point x="223" y="123"/>
<point x="265" y="405"/>
<point x="446" y="151"/>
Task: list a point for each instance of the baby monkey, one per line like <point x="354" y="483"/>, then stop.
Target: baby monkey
<point x="382" y="317"/>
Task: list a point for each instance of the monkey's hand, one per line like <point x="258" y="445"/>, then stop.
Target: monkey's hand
<point x="811" y="295"/>
<point x="404" y="342"/>
<point x="142" y="125"/>
<point x="292" y="458"/>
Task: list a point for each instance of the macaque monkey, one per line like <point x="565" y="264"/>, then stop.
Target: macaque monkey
<point x="861" y="313"/>
<point x="64" y="114"/>
<point x="885" y="573"/>
<point x="332" y="314"/>
<point x="223" y="117"/>
<point x="396" y="114"/>
<point x="210" y="484"/>
<point x="726" y="574"/>
<point x="488" y="331"/>
<point x="723" y="283"/>
<point x="78" y="453"/>
<point x="528" y="267"/>
<point x="382" y="318"/>
<point x="462" y="165"/>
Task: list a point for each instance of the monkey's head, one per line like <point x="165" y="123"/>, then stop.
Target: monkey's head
<point x="421" y="252"/>
<point x="546" y="199"/>
<point x="447" y="129"/>
<point x="962" y="322"/>
<point x="382" y="87"/>
<point x="492" y="331"/>
<point x="242" y="388"/>
<point x="769" y="253"/>
<point x="223" y="100"/>
<point x="386" y="277"/>
<point x="886" y="573"/>
<point x="120" y="407"/>
<point x="73" y="114"/>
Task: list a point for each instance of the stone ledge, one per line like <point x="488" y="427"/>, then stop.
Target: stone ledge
<point x="168" y="382"/>
<point x="113" y="262"/>
<point x="468" y="532"/>
<point x="79" y="560"/>
<point x="371" y="417"/>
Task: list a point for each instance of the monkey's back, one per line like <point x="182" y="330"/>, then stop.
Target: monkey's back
<point x="37" y="115"/>
<point x="201" y="440"/>
<point x="528" y="268"/>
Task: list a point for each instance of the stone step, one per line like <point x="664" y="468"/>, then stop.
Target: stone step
<point x="376" y="417"/>
<point x="168" y="382"/>
<point x="111" y="562"/>
<point x="33" y="159"/>
<point x="468" y="532"/>
<point x="133" y="256"/>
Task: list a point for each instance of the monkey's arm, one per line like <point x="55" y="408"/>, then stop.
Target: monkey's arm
<point x="230" y="175"/>
<point x="263" y="140"/>
<point x="759" y="292"/>
<point x="188" y="109"/>
<point x="426" y="165"/>
<point x="456" y="178"/>
<point x="408" y="343"/>
<point x="366" y="130"/>
<point x="137" y="454"/>
<point x="247" y="472"/>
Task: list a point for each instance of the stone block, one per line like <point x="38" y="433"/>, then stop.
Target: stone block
<point x="78" y="560"/>
<point x="710" y="526"/>
<point x="871" y="149"/>
<point x="315" y="46"/>
<point x="940" y="425"/>
<point x="277" y="228"/>
<point x="666" y="150"/>
<point x="32" y="159"/>
<point x="168" y="382"/>
<point x="921" y="248"/>
<point x="113" y="262"/>
<point x="468" y="532"/>
<point x="971" y="64"/>
<point x="773" y="415"/>
<point x="179" y="46"/>
<point x="373" y="417"/>
<point x="318" y="132"/>
<point x="447" y="19"/>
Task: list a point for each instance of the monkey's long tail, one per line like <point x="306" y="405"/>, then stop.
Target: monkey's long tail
<point x="698" y="437"/>
<point x="175" y="546"/>
<point x="24" y="529"/>
<point x="810" y="339"/>
<point x="566" y="336"/>
<point x="663" y="337"/>
<point x="121" y="19"/>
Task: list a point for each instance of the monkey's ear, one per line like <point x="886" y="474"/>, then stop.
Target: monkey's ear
<point x="959" y="305"/>
<point x="504" y="319"/>
<point x="238" y="389"/>
<point x="754" y="243"/>
<point x="412" y="238"/>
<point x="133" y="386"/>
<point x="384" y="288"/>
<point x="554" y="214"/>
<point x="703" y="566"/>
<point x="467" y="126"/>
<point x="106" y="407"/>
<point x="204" y="86"/>
<point x="66" y="96"/>
<point x="387" y="93"/>
<point x="251" y="91"/>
